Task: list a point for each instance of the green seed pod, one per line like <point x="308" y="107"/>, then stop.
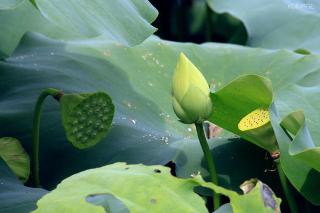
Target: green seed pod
<point x="190" y="93"/>
<point x="83" y="115"/>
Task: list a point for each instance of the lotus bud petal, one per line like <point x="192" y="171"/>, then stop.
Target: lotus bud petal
<point x="190" y="92"/>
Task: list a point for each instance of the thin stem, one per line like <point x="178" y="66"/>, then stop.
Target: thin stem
<point x="210" y="162"/>
<point x="286" y="189"/>
<point x="35" y="132"/>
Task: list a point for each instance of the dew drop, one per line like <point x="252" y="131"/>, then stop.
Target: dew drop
<point x="166" y="140"/>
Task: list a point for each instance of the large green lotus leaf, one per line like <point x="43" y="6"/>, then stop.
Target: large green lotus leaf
<point x="299" y="158"/>
<point x="15" y="197"/>
<point x="19" y="19"/>
<point x="126" y="21"/>
<point x="8" y="4"/>
<point x="142" y="130"/>
<point x="15" y="157"/>
<point x="239" y="98"/>
<point x="145" y="128"/>
<point x="148" y="189"/>
<point x="290" y="24"/>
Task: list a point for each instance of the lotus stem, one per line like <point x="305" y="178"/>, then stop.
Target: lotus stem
<point x="286" y="189"/>
<point x="210" y="162"/>
<point x="36" y="130"/>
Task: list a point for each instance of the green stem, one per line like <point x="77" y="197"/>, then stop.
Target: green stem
<point x="35" y="132"/>
<point x="210" y="162"/>
<point x="286" y="189"/>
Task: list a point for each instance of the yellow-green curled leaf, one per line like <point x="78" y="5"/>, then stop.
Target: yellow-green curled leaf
<point x="241" y="107"/>
<point x="15" y="157"/>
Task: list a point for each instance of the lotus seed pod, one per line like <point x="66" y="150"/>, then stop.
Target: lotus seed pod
<point x="254" y="119"/>
<point x="190" y="93"/>
<point x="84" y="121"/>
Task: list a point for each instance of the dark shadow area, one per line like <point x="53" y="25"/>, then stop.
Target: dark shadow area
<point x="194" y="21"/>
<point x="312" y="175"/>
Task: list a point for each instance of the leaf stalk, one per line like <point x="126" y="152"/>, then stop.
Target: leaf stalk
<point x="286" y="189"/>
<point x="210" y="162"/>
<point x="36" y="131"/>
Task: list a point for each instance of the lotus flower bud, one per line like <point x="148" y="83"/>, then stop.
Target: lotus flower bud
<point x="190" y="92"/>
